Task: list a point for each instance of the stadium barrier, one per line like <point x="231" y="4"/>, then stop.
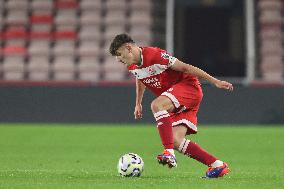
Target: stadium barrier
<point x="115" y="104"/>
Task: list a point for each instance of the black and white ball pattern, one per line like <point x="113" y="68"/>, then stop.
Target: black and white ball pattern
<point x="130" y="165"/>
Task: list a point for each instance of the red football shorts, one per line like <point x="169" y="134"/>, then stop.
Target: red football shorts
<point x="186" y="99"/>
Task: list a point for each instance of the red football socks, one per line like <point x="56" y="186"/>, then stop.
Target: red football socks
<point x="194" y="151"/>
<point x="164" y="126"/>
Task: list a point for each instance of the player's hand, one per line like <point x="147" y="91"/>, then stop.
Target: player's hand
<point x="138" y="111"/>
<point x="224" y="85"/>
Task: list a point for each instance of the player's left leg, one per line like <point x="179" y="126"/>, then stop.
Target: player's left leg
<point x="189" y="148"/>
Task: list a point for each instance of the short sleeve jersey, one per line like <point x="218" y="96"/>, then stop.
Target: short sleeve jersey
<point x="155" y="71"/>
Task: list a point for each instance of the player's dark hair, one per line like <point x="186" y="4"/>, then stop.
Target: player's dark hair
<point x="118" y="41"/>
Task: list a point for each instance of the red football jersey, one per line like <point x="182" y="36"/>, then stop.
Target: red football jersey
<point x="155" y="71"/>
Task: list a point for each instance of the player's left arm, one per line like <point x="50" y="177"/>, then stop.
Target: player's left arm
<point x="187" y="68"/>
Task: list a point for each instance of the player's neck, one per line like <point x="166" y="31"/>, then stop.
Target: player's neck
<point x="139" y="62"/>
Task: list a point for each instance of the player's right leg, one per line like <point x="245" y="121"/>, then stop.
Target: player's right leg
<point x="161" y="107"/>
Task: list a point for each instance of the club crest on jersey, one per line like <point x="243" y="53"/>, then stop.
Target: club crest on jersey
<point x="165" y="55"/>
<point x="151" y="71"/>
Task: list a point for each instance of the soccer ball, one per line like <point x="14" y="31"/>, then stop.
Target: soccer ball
<point x="130" y="165"/>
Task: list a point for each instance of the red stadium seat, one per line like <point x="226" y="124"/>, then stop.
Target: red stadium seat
<point x="15" y="36"/>
<point x="41" y="22"/>
<point x="65" y="35"/>
<point x="14" y="50"/>
<point x="41" y="18"/>
<point x="40" y="35"/>
<point x="66" y="4"/>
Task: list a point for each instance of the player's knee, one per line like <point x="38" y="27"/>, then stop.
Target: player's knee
<point x="156" y="106"/>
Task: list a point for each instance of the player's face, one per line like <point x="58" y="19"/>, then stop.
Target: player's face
<point x="125" y="55"/>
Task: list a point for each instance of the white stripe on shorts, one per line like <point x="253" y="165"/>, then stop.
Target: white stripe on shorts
<point x="187" y="123"/>
<point x="173" y="98"/>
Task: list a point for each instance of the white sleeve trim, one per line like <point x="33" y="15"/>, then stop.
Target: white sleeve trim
<point x="172" y="61"/>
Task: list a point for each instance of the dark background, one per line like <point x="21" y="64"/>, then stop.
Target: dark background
<point x="211" y="35"/>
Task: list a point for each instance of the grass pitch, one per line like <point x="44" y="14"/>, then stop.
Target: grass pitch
<point x="85" y="156"/>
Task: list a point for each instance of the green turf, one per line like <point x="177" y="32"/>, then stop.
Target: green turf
<point x="85" y="156"/>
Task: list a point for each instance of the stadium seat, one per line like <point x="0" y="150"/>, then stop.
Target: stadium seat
<point x="38" y="68"/>
<point x="140" y="5"/>
<point x="43" y="7"/>
<point x="270" y="33"/>
<point x="141" y="18"/>
<point x="41" y="22"/>
<point x="113" y="70"/>
<point x="268" y="4"/>
<point x="90" y="33"/>
<point x="16" y="5"/>
<point x="65" y="36"/>
<point x="46" y="38"/>
<point x="39" y="48"/>
<point x="19" y="51"/>
<point x="113" y="18"/>
<point x="64" y="48"/>
<point x="66" y="20"/>
<point x="112" y="31"/>
<point x="15" y="36"/>
<point x="13" y="68"/>
<point x="113" y="5"/>
<point x="270" y="17"/>
<point x="14" y="62"/>
<point x="66" y="4"/>
<point x="89" y="49"/>
<point x="17" y="17"/>
<point x="270" y="46"/>
<point x="93" y="5"/>
<point x="90" y="18"/>
<point x="63" y="68"/>
<point x="89" y="69"/>
<point x="141" y="35"/>
<point x="40" y="35"/>
<point x="272" y="69"/>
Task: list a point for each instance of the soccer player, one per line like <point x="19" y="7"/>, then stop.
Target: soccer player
<point x="178" y="94"/>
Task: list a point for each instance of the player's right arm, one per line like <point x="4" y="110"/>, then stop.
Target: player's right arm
<point x="186" y="68"/>
<point x="140" y="89"/>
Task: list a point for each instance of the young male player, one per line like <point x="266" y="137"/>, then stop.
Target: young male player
<point x="178" y="94"/>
